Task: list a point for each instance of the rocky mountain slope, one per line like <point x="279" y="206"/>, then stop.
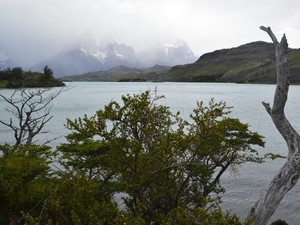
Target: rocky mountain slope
<point x="250" y="63"/>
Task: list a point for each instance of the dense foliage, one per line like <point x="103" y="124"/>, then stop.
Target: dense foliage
<point x="166" y="169"/>
<point x="17" y="78"/>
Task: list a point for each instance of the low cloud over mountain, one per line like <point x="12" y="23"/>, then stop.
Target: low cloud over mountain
<point x="86" y="55"/>
<point x="5" y="60"/>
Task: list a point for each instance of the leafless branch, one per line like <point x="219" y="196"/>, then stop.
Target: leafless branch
<point x="30" y="109"/>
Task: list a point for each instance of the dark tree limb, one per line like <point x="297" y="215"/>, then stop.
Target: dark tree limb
<point x="31" y="113"/>
<point x="289" y="174"/>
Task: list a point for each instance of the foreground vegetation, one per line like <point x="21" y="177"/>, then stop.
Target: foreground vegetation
<point x="167" y="169"/>
<point x="17" y="78"/>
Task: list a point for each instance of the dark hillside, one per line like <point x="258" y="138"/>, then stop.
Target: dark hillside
<point x="121" y="73"/>
<point x="249" y="63"/>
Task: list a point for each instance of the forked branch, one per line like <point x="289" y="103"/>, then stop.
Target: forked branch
<point x="289" y="174"/>
<point x="31" y="112"/>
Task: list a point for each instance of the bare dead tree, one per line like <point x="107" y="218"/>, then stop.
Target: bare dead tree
<point x="30" y="109"/>
<point x="288" y="175"/>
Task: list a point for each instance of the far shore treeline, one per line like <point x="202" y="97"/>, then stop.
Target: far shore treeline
<point x="18" y="78"/>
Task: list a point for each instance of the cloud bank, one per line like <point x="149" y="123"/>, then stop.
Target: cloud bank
<point x="36" y="29"/>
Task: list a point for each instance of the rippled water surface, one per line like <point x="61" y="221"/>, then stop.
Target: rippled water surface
<point x="242" y="190"/>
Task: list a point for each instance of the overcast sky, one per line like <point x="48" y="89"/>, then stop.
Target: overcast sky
<point x="40" y="27"/>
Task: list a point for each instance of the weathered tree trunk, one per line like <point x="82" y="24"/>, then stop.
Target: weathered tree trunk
<point x="289" y="173"/>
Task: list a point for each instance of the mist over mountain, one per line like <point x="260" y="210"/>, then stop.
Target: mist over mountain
<point x="252" y="62"/>
<point x="169" y="54"/>
<point x="87" y="55"/>
<point x="5" y="60"/>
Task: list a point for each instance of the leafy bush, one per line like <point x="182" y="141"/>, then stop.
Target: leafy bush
<point x="156" y="157"/>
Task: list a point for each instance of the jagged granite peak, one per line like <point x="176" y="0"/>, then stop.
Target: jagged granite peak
<point x="121" y="54"/>
<point x="88" y="45"/>
<point x="181" y="52"/>
<point x="85" y="55"/>
<point x="176" y="52"/>
<point x="107" y="51"/>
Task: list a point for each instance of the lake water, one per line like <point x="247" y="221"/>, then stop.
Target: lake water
<point x="242" y="190"/>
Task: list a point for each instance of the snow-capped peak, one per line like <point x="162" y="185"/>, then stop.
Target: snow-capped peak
<point x="86" y="55"/>
<point x="99" y="55"/>
<point x="119" y="55"/>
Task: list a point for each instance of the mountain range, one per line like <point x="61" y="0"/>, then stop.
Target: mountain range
<point x="86" y="55"/>
<point x="249" y="63"/>
<point x="111" y="61"/>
